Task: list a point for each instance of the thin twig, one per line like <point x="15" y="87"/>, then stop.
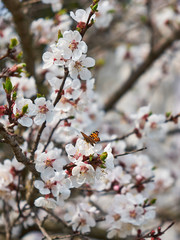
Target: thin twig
<point x="4" y="56"/>
<point x="131" y="152"/>
<point x="118" y="138"/>
<point x="37" y="140"/>
<point x="55" y="216"/>
<point x="43" y="231"/>
<point x="58" y="97"/>
<point x="53" y="130"/>
<point x="155" y="236"/>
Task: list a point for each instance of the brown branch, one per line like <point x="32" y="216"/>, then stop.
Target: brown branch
<point x="11" y="140"/>
<point x="53" y="130"/>
<point x="118" y="138"/>
<point x="154" y="235"/>
<point x="37" y="140"/>
<point x="158" y="50"/>
<point x="4" y="56"/>
<point x="58" y="97"/>
<point x="23" y="29"/>
<point x="54" y="216"/>
<point x="43" y="231"/>
<point x="7" y="221"/>
<point x="134" y="151"/>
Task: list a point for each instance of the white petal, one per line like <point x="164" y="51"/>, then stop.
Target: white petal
<point x="39" y="119"/>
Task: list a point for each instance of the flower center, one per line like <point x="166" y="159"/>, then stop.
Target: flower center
<point x="132" y="214"/>
<point x="49" y="162"/>
<point x="84" y="169"/>
<point x="78" y="66"/>
<point x="73" y="45"/>
<point x="116" y="217"/>
<point x="43" y="109"/>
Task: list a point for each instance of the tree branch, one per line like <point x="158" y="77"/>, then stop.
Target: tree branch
<point x="158" y="50"/>
<point x="22" y="24"/>
<point x="11" y="140"/>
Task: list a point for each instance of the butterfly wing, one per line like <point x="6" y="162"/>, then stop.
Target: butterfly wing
<point x="95" y="137"/>
<point x="92" y="139"/>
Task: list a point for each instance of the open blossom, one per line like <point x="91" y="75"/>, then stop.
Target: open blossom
<point x="56" y="57"/>
<point x="44" y="111"/>
<point x="24" y="118"/>
<point x="80" y="67"/>
<point x="80" y="15"/>
<point x="82" y="173"/>
<point x="127" y="210"/>
<point x="50" y="159"/>
<point x="81" y="218"/>
<point x="75" y="153"/>
<point x="54" y="185"/>
<point x="72" y="44"/>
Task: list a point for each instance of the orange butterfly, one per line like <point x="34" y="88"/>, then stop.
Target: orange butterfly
<point x="92" y="139"/>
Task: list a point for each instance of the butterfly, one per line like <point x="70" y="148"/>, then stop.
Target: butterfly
<point x="92" y="138"/>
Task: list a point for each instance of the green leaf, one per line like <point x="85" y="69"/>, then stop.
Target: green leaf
<point x="94" y="7"/>
<point x="13" y="43"/>
<point x="8" y="86"/>
<point x="24" y="109"/>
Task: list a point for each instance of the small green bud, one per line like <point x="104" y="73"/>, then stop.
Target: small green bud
<point x="153" y="201"/>
<point x="59" y="34"/>
<point x="14" y="95"/>
<point x="19" y="56"/>
<point x="62" y="11"/>
<point x="20" y="67"/>
<point x="90" y="157"/>
<point x="146" y="201"/>
<point x="150" y="113"/>
<point x="168" y="114"/>
<point x="103" y="156"/>
<point x="102" y="166"/>
<point x="13" y="43"/>
<point x="39" y="95"/>
<point x="24" y="109"/>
